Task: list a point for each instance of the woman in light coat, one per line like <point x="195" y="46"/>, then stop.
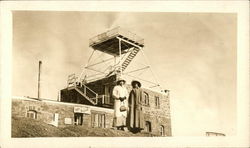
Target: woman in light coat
<point x="120" y="94"/>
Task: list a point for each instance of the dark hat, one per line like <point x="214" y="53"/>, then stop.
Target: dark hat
<point x="119" y="80"/>
<point x="136" y="82"/>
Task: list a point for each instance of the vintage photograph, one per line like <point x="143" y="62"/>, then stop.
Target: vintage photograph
<point x="123" y="74"/>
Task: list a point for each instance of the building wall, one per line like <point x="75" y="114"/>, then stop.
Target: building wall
<point x="47" y="109"/>
<point x="157" y="116"/>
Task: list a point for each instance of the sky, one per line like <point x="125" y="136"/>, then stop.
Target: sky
<point x="192" y="54"/>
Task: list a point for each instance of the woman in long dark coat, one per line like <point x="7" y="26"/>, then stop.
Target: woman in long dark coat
<point x="135" y="115"/>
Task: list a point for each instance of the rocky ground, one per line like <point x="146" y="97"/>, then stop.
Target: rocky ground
<point x="27" y="127"/>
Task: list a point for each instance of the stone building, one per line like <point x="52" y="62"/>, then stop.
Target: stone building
<point x="156" y="105"/>
<point x="58" y="113"/>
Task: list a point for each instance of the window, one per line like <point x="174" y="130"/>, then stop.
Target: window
<point x="162" y="131"/>
<point x="157" y="102"/>
<point x="98" y="120"/>
<point x="32" y="108"/>
<point x="146" y="99"/>
<point x="32" y="114"/>
<point x="148" y="126"/>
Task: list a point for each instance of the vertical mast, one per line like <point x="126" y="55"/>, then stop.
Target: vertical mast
<point x="120" y="57"/>
<point x="39" y="74"/>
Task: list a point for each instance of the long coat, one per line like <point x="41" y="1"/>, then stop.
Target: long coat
<point x="120" y="117"/>
<point x="135" y="115"/>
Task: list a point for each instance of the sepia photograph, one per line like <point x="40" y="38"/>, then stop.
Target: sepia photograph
<point x="128" y="74"/>
<point x="74" y="71"/>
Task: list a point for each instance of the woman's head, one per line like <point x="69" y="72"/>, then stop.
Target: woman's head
<point x="135" y="84"/>
<point x="120" y="81"/>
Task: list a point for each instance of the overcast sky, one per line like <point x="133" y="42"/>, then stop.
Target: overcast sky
<point x="193" y="55"/>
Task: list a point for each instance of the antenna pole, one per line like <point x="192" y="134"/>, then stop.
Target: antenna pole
<point x="39" y="74"/>
<point x="120" y="56"/>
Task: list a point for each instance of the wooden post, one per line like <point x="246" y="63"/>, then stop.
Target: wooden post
<point x="59" y="96"/>
<point x="120" y="57"/>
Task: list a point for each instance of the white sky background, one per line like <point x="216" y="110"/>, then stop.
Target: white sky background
<point x="193" y="54"/>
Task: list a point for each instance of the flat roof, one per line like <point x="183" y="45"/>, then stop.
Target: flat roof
<point x="96" y="108"/>
<point x="108" y="41"/>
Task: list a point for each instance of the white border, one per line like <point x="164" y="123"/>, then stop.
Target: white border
<point x="239" y="7"/>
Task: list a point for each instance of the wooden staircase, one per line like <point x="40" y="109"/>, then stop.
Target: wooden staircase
<point x="82" y="89"/>
<point x="87" y="93"/>
<point x="130" y="58"/>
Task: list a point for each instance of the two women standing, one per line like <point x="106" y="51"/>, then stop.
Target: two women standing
<point x="128" y="111"/>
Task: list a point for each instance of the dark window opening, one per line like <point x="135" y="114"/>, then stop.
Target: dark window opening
<point x="157" y="102"/>
<point x="146" y="99"/>
<point x="148" y="126"/>
<point x="78" y="118"/>
<point x="32" y="114"/>
<point x="162" y="130"/>
<point x="107" y="92"/>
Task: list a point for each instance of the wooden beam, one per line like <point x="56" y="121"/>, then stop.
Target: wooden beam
<point x="129" y="42"/>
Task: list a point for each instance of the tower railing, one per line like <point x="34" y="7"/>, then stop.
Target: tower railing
<point x="115" y="32"/>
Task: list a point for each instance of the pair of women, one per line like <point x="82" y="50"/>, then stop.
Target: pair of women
<point x="128" y="111"/>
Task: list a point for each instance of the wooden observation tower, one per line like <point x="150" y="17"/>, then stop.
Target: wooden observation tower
<point x="118" y="43"/>
<point x="121" y="46"/>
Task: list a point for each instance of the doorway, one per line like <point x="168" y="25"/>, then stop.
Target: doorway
<point x="78" y="118"/>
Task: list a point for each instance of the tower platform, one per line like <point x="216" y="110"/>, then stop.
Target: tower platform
<point x="108" y="42"/>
